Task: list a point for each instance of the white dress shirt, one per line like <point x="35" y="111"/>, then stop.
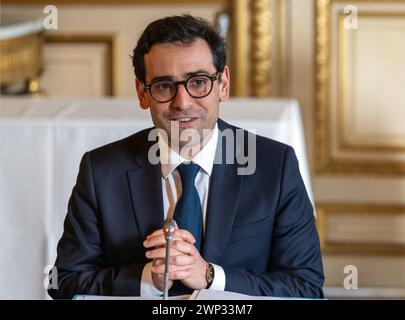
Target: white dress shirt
<point x="172" y="189"/>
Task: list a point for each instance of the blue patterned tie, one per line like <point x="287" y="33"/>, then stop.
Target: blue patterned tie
<point x="188" y="212"/>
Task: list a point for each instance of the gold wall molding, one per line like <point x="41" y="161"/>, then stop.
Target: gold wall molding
<point x="259" y="37"/>
<point x="240" y="40"/>
<point x="110" y="40"/>
<point x="261" y="31"/>
<point x="325" y="162"/>
<point x="328" y="247"/>
<point x="282" y="46"/>
<point x="21" y="58"/>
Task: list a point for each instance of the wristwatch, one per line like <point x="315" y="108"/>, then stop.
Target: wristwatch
<point x="209" y="275"/>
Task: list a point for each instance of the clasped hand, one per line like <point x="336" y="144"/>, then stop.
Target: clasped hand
<point x="185" y="261"/>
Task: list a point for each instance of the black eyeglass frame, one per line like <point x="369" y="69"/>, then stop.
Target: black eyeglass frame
<point x="213" y="78"/>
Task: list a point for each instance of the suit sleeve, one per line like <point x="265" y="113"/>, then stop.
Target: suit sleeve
<point x="295" y="268"/>
<point x="79" y="264"/>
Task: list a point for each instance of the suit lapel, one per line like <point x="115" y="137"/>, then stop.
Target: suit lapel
<point x="146" y="191"/>
<point x="225" y="188"/>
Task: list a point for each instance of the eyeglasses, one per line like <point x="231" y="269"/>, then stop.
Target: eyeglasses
<point x="197" y="86"/>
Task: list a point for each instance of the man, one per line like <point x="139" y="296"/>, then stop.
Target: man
<point x="252" y="233"/>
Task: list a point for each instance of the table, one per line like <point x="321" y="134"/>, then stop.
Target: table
<point x="41" y="144"/>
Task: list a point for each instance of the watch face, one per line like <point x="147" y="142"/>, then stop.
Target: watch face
<point x="210" y="274"/>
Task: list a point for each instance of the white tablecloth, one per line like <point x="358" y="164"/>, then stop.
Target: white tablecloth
<point x="41" y="144"/>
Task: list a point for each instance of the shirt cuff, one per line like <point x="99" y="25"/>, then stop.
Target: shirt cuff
<point x="219" y="279"/>
<point x="148" y="289"/>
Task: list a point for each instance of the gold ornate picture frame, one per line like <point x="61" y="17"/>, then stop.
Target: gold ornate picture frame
<point x="341" y="103"/>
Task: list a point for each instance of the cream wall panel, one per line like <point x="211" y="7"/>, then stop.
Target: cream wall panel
<point x="75" y="70"/>
<point x="349" y="228"/>
<point x="375" y="63"/>
<point x="364" y="58"/>
<point x="373" y="271"/>
<point x="384" y="190"/>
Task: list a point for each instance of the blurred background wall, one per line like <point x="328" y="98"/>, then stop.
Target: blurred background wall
<point x="344" y="65"/>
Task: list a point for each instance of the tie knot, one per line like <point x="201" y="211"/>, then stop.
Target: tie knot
<point x="188" y="172"/>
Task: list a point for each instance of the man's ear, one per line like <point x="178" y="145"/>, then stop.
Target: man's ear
<point x="142" y="94"/>
<point x="224" y="85"/>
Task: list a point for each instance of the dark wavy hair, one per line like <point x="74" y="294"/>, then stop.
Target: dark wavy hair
<point x="185" y="29"/>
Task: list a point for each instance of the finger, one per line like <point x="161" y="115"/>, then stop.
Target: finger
<point x="159" y="238"/>
<point x="160" y="253"/>
<point x="184" y="235"/>
<point x="155" y="240"/>
<point x="184" y="247"/>
<point x="160" y="270"/>
<point x="178" y="247"/>
<point x="182" y="260"/>
<point x="155" y="233"/>
<point x="179" y="260"/>
<point x="180" y="274"/>
<point x="158" y="262"/>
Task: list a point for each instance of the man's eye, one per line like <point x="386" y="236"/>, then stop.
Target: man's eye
<point x="198" y="82"/>
<point x="162" y="86"/>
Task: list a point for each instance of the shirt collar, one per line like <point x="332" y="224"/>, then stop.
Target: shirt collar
<point x="170" y="159"/>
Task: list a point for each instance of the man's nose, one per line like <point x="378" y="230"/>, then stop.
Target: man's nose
<point x="182" y="100"/>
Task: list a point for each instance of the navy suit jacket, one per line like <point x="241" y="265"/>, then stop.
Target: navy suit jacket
<point x="260" y="228"/>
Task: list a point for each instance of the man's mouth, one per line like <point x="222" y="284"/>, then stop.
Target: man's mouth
<point x="182" y="119"/>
